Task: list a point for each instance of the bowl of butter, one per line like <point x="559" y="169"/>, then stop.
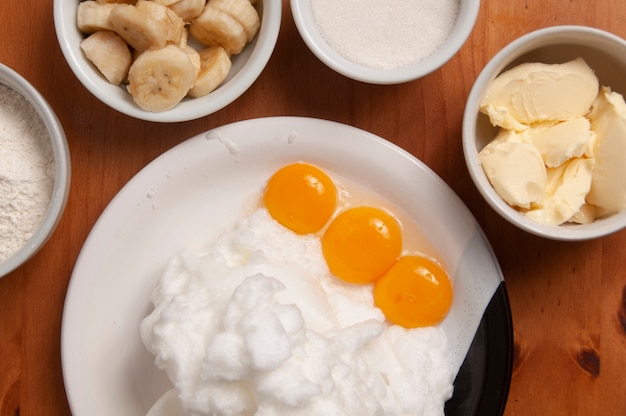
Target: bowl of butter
<point x="544" y="133"/>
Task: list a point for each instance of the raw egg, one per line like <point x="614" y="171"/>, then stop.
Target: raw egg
<point x="414" y="292"/>
<point x="301" y="197"/>
<point x="361" y="243"/>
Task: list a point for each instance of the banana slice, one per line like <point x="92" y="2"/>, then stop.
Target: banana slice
<point x="165" y="2"/>
<point x="194" y="57"/>
<point x="243" y="11"/>
<point x="215" y="27"/>
<point x="92" y="16"/>
<point x="109" y="53"/>
<point x="214" y="69"/>
<point x="146" y="24"/>
<point x="184" y="37"/>
<point x="165" y="16"/>
<point x="160" y="78"/>
<point x="188" y="9"/>
<point x="190" y="50"/>
<point x="116" y="1"/>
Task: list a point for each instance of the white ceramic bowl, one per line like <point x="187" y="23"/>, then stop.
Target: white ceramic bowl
<point x="309" y="30"/>
<point x="604" y="52"/>
<point x="246" y="67"/>
<point x="61" y="154"/>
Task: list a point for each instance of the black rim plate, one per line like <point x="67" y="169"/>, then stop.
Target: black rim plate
<point x="482" y="384"/>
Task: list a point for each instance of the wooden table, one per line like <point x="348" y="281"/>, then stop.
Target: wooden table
<point x="568" y="300"/>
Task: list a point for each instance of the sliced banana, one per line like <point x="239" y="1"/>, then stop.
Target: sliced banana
<point x="117" y="1"/>
<point x="165" y="2"/>
<point x="160" y="78"/>
<point x="165" y="16"/>
<point x="145" y="43"/>
<point x="191" y="51"/>
<point x="146" y="24"/>
<point x="243" y="11"/>
<point x="188" y="9"/>
<point x="215" y="66"/>
<point x="92" y="16"/>
<point x="194" y="56"/>
<point x="109" y="53"/>
<point x="215" y="27"/>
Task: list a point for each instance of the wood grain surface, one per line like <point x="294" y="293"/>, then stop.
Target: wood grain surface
<point x="568" y="300"/>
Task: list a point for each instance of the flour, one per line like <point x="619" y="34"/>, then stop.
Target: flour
<point x="26" y="171"/>
<point x="385" y="33"/>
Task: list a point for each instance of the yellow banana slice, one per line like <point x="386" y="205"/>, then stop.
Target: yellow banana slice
<point x="92" y="16"/>
<point x="194" y="56"/>
<point x="191" y="51"/>
<point x="109" y="53"/>
<point x="215" y="66"/>
<point x="116" y="1"/>
<point x="145" y="43"/>
<point x="215" y="27"/>
<point x="160" y="78"/>
<point x="146" y="24"/>
<point x="165" y="16"/>
<point x="188" y="9"/>
<point x="165" y="2"/>
<point x="243" y="11"/>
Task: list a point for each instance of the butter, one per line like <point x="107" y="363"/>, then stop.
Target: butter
<point x="516" y="172"/>
<point x="536" y="92"/>
<point x="560" y="142"/>
<point x="608" y="121"/>
<point x="569" y="134"/>
<point x="566" y="189"/>
<point x="587" y="214"/>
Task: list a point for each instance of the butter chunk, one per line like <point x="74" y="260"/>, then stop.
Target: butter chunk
<point x="586" y="215"/>
<point x="566" y="189"/>
<point x="536" y="92"/>
<point x="608" y="121"/>
<point x="516" y="172"/>
<point x="560" y="142"/>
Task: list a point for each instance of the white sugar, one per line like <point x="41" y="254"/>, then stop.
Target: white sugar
<point x="385" y="33"/>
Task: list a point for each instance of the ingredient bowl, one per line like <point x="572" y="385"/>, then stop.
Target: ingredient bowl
<point x="246" y="66"/>
<point x="34" y="171"/>
<point x="377" y="44"/>
<point x="605" y="54"/>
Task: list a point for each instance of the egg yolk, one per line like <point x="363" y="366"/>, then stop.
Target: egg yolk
<point x="301" y="197"/>
<point x="361" y="243"/>
<point x="414" y="292"/>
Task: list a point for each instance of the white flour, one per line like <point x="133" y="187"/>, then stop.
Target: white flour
<point x="26" y="171"/>
<point x="385" y="33"/>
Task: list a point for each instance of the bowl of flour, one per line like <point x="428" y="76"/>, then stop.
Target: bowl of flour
<point x="385" y="42"/>
<point x="34" y="170"/>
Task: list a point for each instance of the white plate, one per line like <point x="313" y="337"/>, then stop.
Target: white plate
<point x="186" y="196"/>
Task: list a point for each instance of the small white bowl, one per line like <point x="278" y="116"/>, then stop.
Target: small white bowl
<point x="309" y="30"/>
<point x="62" y="170"/>
<point x="246" y="67"/>
<point x="604" y="52"/>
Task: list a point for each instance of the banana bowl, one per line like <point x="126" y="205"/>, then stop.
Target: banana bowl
<point x="245" y="66"/>
<point x="373" y="43"/>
